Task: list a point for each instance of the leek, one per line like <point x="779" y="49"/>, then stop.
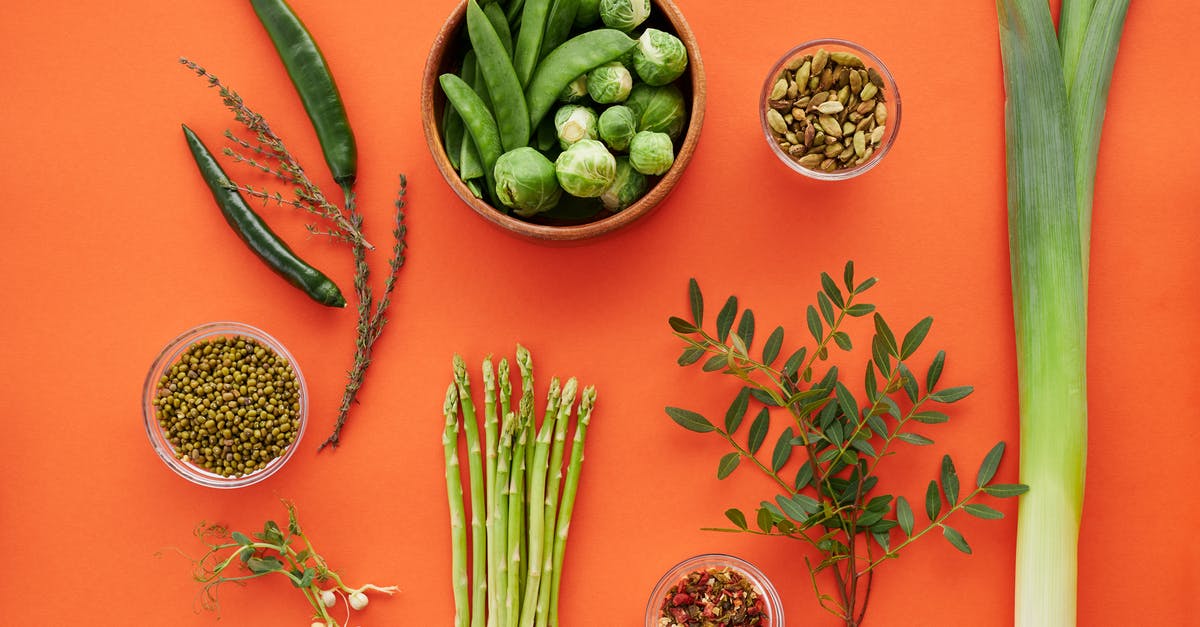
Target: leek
<point x="1056" y="88"/>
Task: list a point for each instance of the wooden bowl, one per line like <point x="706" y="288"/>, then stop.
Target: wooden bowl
<point x="445" y="56"/>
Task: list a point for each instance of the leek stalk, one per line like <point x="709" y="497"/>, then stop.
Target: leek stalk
<point x="1057" y="89"/>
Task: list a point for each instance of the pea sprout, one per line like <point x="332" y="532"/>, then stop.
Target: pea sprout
<point x="234" y="557"/>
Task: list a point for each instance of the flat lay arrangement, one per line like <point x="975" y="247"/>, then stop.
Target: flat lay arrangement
<point x="530" y="313"/>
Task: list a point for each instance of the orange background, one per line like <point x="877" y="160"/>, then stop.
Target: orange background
<point x="113" y="247"/>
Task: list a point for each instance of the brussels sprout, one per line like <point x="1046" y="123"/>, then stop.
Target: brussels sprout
<point x="651" y="153"/>
<point x="586" y="169"/>
<point x="617" y="126"/>
<point x="659" y="57"/>
<point x="628" y="186"/>
<point x="609" y="83"/>
<point x="624" y="15"/>
<point x="659" y="109"/>
<point x="526" y="181"/>
<point x="573" y="123"/>
<point x="575" y="90"/>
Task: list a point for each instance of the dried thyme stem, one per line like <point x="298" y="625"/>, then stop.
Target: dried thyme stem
<point x="371" y="315"/>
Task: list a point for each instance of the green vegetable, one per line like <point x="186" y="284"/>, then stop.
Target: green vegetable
<point x="527" y="513"/>
<point x="659" y="109"/>
<point x="575" y="91"/>
<point x="610" y="83"/>
<point x="651" y="153"/>
<point x="617" y="126"/>
<point x="495" y="15"/>
<point x="588" y="13"/>
<point x="573" y="123"/>
<point x="586" y="169"/>
<point x="529" y="38"/>
<point x="1057" y="87"/>
<point x="478" y="120"/>
<point x="558" y="24"/>
<point x="624" y="15"/>
<point x="314" y="83"/>
<point x="281" y="551"/>
<point x="627" y="187"/>
<point x="503" y="86"/>
<point x="659" y="57"/>
<point x="827" y="462"/>
<point x="568" y="62"/>
<point x="526" y="181"/>
<point x="255" y="232"/>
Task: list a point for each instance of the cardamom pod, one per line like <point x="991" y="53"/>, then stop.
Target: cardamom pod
<point x="830" y="107"/>
<point x="830" y="126"/>
<point x="848" y="59"/>
<point x="810" y="161"/>
<point x="855" y="82"/>
<point x="779" y="90"/>
<point x="877" y="135"/>
<point x="803" y="74"/>
<point x="868" y="91"/>
<point x="881" y="113"/>
<point x="819" y="61"/>
<point x="775" y="121"/>
<point x="860" y="143"/>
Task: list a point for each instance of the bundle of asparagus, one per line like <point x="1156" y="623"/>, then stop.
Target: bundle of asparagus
<point x="520" y="500"/>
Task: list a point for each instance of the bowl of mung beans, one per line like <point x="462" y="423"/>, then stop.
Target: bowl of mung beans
<point x="829" y="109"/>
<point x="224" y="405"/>
<point x="654" y="89"/>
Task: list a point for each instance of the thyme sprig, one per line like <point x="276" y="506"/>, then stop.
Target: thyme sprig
<point x="275" y="551"/>
<point x="267" y="153"/>
<point x="270" y="147"/>
<point x="832" y="504"/>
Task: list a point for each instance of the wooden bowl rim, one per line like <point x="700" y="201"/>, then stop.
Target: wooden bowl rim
<point x="571" y="233"/>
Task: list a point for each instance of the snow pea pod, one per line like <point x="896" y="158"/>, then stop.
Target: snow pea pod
<point x="314" y="83"/>
<point x="573" y="58"/>
<point x="503" y="87"/>
<point x="256" y="234"/>
<point x="479" y="121"/>
<point x="529" y="38"/>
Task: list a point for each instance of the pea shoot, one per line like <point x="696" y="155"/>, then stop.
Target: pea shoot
<point x="234" y="557"/>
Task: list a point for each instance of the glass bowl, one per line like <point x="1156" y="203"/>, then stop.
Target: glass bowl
<point x="716" y="560"/>
<point x="889" y="90"/>
<point x="158" y="437"/>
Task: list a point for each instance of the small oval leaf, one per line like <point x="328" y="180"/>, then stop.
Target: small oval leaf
<point x="950" y="395"/>
<point x="690" y="420"/>
<point x="729" y="463"/>
<point x="933" y="501"/>
<point x="916" y="335"/>
<point x="991" y="462"/>
<point x="772" y="347"/>
<point x="955" y="539"/>
<point x="737" y="411"/>
<point x="758" y="430"/>
<point x="736" y="517"/>
<point x="979" y="510"/>
<point x="725" y="318"/>
<point x="783" y="450"/>
<point x="1006" y="490"/>
<point x="697" y="301"/>
<point x="904" y="515"/>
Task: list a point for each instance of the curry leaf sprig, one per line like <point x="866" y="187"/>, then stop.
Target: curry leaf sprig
<point x="237" y="558"/>
<point x="825" y="464"/>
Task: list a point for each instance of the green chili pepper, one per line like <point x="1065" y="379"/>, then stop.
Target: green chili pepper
<point x="257" y="235"/>
<point x="314" y="83"/>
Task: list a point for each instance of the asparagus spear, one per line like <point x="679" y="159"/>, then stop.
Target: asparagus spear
<point x="537" y="500"/>
<point x="499" y="519"/>
<point x="490" y="423"/>
<point x="516" y="517"/>
<point x="454" y="492"/>
<point x="475" y="471"/>
<point x="570" y="488"/>
<point x="550" y="510"/>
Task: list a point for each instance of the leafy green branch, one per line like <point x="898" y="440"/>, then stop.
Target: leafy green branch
<point x="831" y="503"/>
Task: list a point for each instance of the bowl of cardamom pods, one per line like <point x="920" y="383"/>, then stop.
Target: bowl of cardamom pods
<point x="224" y="405"/>
<point x="830" y="109"/>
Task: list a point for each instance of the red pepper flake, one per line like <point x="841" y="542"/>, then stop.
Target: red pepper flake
<point x="713" y="597"/>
